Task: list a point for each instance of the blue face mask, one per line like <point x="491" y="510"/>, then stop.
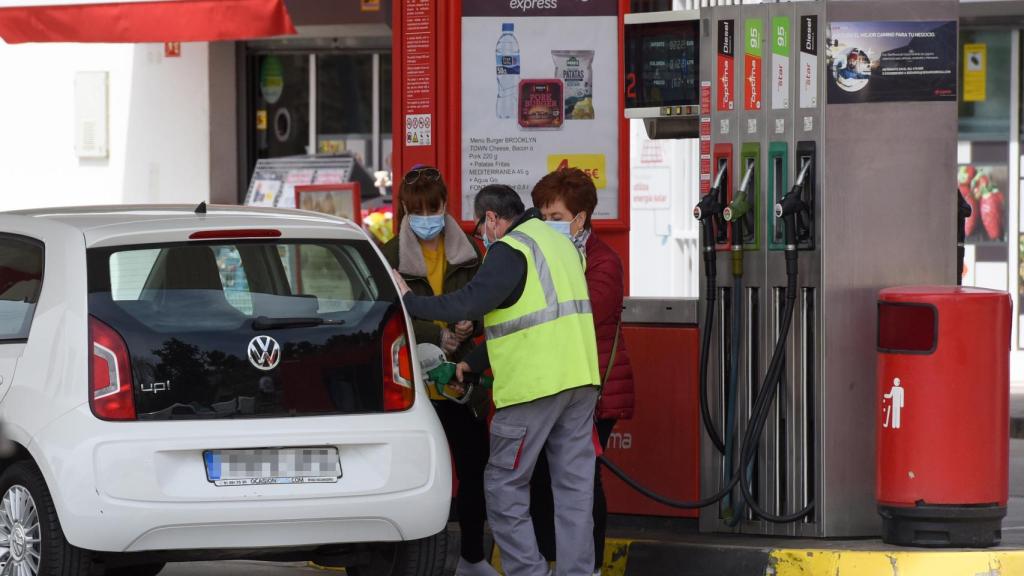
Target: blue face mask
<point x="487" y="241"/>
<point x="561" y="227"/>
<point x="426" y="227"/>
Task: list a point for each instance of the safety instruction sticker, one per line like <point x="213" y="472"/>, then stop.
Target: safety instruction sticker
<point x="808" y="61"/>
<point x="726" y="65"/>
<point x="780" y="62"/>
<point x="753" y="57"/>
<point x="417" y="129"/>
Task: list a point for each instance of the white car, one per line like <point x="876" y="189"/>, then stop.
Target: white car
<point x="184" y="384"/>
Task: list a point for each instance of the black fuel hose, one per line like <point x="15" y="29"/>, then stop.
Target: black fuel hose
<point x="765" y="397"/>
<point x="707" y="212"/>
<point x="789" y="208"/>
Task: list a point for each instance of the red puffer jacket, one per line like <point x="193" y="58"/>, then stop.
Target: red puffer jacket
<point x="606" y="284"/>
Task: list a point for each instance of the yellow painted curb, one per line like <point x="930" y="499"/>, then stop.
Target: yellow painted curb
<point x="616" y="553"/>
<point x="808" y="562"/>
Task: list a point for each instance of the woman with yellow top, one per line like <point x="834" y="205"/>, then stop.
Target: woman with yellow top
<point x="436" y="257"/>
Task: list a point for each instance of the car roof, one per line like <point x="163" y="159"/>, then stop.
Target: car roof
<point x="101" y="223"/>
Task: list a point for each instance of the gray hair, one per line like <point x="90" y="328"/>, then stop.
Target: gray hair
<point x="500" y="199"/>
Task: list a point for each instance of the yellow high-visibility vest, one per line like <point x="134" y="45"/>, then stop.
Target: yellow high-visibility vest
<point x="545" y="342"/>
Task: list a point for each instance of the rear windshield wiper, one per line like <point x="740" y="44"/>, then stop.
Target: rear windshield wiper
<point x="267" y="323"/>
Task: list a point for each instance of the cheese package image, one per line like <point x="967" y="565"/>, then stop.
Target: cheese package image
<point x="575" y="69"/>
<point x="540" y="103"/>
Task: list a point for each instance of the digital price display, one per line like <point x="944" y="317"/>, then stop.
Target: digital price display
<point x="663" y="64"/>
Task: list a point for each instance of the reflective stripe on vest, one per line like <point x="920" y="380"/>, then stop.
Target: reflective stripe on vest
<point x="554" y="309"/>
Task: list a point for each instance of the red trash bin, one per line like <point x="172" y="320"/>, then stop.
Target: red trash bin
<point x="943" y="415"/>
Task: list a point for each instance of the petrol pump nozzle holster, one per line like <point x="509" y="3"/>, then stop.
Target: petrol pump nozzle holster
<point x="709" y="213"/>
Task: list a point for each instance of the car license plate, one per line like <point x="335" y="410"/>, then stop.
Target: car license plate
<point x="272" y="466"/>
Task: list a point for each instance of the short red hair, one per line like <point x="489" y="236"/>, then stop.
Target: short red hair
<point x="570" y="185"/>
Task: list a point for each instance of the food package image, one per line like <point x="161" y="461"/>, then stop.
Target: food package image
<point x="540" y="103"/>
<point x="575" y="69"/>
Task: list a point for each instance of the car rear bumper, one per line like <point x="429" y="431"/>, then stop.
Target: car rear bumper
<point x="125" y="487"/>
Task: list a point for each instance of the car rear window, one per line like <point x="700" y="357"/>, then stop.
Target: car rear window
<point x="221" y="286"/>
<point x="249" y="328"/>
<point x="21" y="279"/>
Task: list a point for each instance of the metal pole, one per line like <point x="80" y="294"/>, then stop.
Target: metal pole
<point x="311" y="145"/>
<point x="377" y="153"/>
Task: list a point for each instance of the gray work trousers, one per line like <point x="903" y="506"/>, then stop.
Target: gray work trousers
<point x="563" y="426"/>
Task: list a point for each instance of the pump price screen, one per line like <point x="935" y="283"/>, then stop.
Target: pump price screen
<point x="662" y="64"/>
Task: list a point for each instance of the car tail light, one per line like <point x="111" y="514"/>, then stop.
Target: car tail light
<point x="397" y="357"/>
<point x="111" y="396"/>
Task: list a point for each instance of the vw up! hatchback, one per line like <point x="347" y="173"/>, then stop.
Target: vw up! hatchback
<point x="183" y="384"/>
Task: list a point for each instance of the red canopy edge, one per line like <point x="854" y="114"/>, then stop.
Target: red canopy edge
<point x="162" y="21"/>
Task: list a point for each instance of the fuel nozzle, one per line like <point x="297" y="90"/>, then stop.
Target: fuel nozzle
<point x="735" y="214"/>
<point x="794" y="211"/>
<point x="709" y="212"/>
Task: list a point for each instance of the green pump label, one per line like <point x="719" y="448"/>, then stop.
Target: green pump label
<point x="753" y="56"/>
<point x="781" y="43"/>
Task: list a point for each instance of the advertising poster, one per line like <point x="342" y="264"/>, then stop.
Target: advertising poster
<point x="984" y="187"/>
<point x="540" y="91"/>
<point x="892" y="62"/>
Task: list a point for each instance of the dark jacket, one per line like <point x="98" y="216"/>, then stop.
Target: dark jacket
<point x="607" y="286"/>
<point x="499" y="284"/>
<point x="404" y="254"/>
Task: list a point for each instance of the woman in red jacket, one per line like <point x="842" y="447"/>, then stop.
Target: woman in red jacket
<point x="567" y="199"/>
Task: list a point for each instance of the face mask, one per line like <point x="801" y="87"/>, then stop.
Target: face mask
<point x="426" y="227"/>
<point x="487" y="241"/>
<point x="561" y="227"/>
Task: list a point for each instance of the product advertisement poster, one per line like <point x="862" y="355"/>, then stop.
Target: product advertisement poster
<point x="540" y="90"/>
<point x="892" y="62"/>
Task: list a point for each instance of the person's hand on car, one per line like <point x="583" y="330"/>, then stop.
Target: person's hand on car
<point x="403" y="288"/>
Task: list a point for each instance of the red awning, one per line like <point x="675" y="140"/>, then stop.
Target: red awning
<point x="142" y="20"/>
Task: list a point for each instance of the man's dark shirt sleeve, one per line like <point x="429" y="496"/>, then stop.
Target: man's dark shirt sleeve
<point x="497" y="284"/>
<point x="478" y="359"/>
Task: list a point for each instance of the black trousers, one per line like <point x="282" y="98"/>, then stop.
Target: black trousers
<point x="470" y="444"/>
<point x="542" y="503"/>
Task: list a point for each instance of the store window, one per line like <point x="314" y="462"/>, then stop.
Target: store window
<point x="281" y="93"/>
<point x="343" y="96"/>
<point x="983" y="174"/>
<point x="345" y="104"/>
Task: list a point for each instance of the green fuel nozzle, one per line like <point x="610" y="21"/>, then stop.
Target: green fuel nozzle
<point x="735" y="214"/>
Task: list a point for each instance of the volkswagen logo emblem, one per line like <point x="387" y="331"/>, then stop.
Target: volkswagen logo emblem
<point x="264" y="352"/>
